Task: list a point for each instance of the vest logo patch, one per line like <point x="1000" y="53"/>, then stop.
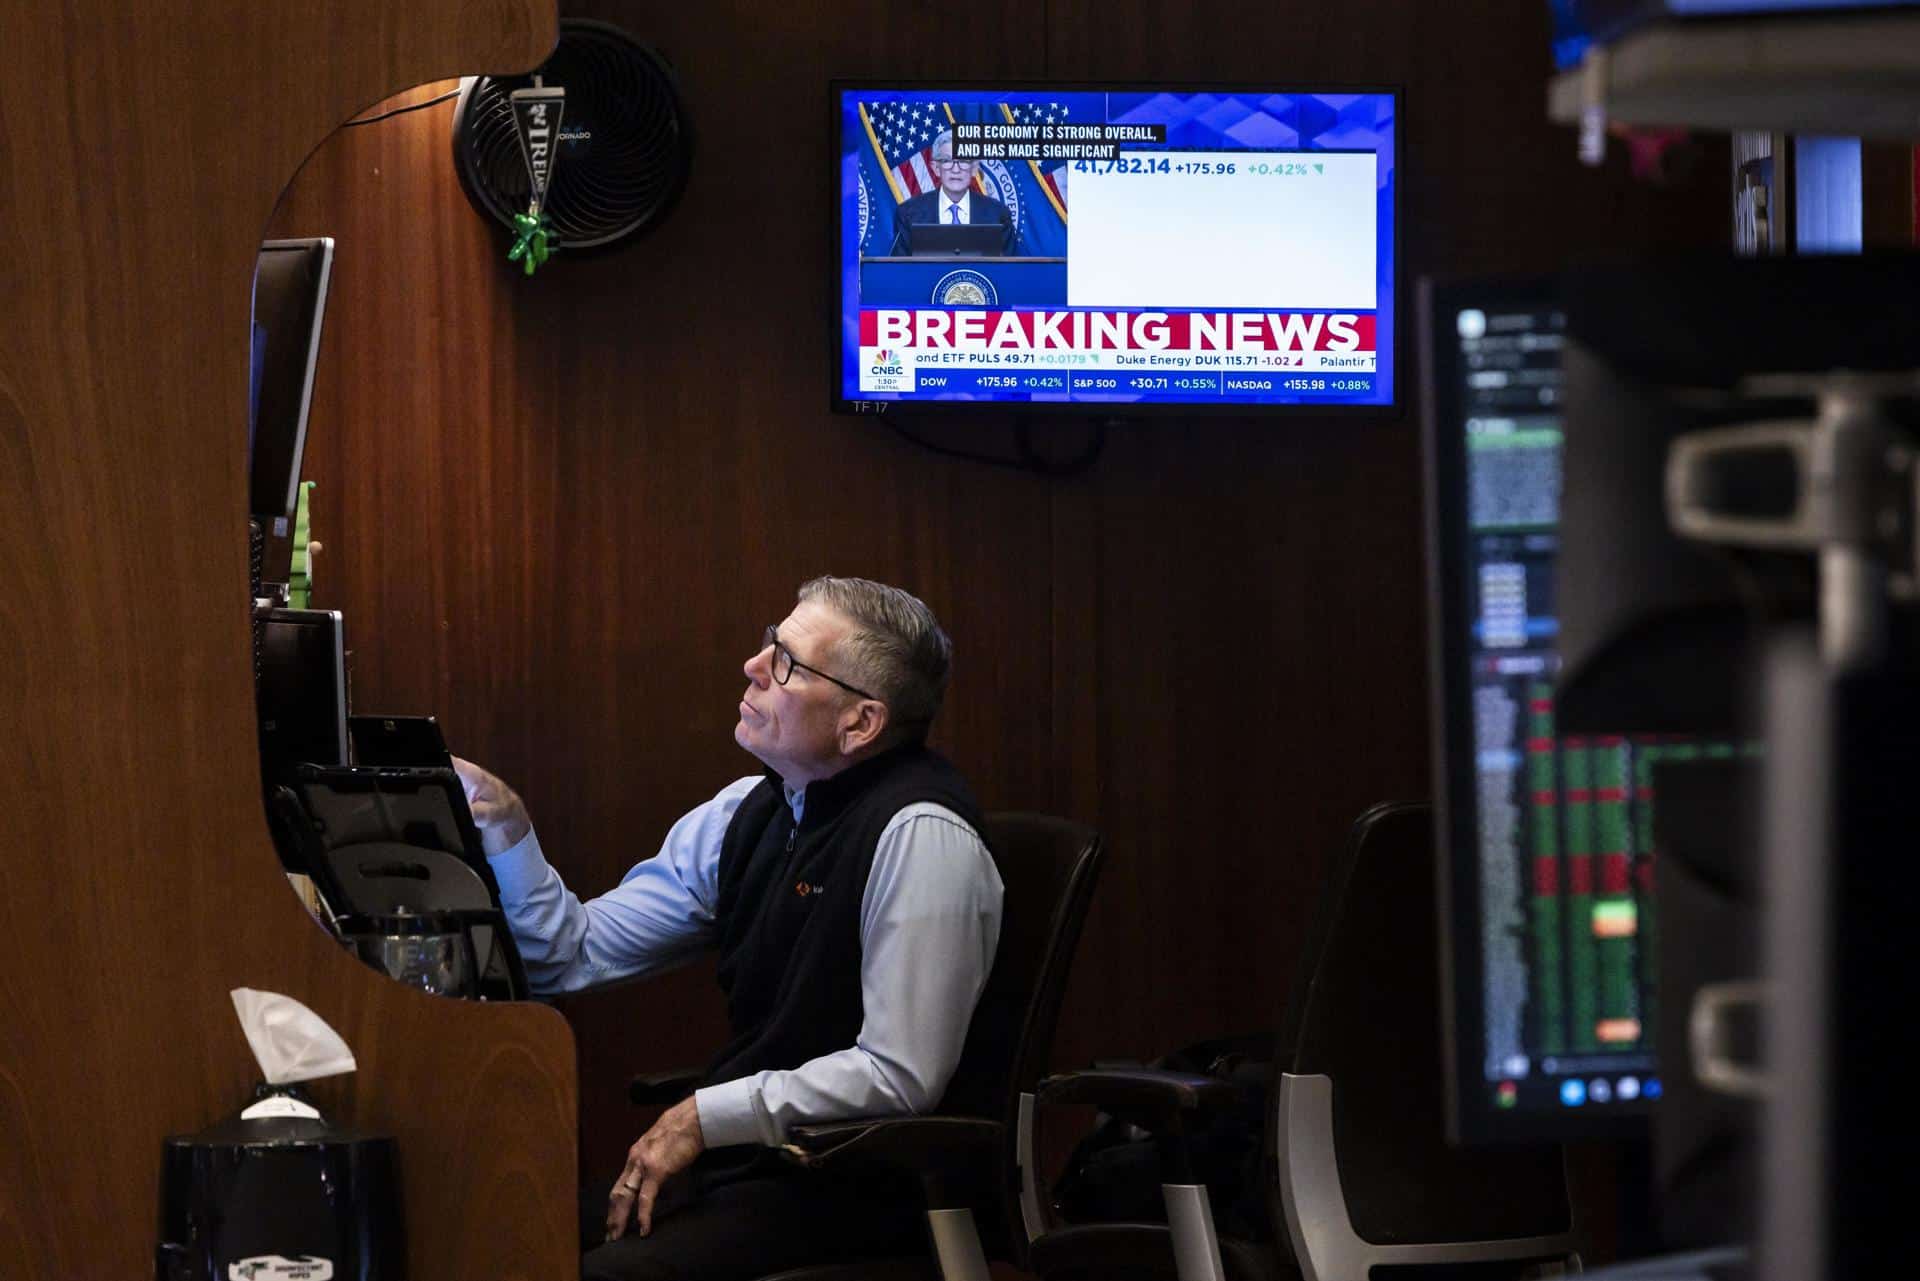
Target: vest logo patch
<point x="803" y="889"/>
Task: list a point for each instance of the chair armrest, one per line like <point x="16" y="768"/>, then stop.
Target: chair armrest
<point x="661" y="1089"/>
<point x="1170" y="1106"/>
<point x="950" y="1149"/>
<point x="1142" y="1095"/>
<point x="1244" y="1050"/>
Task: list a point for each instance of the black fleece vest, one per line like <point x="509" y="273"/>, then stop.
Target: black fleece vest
<point x="789" y="907"/>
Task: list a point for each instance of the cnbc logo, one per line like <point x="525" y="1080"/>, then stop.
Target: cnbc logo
<point x="888" y="370"/>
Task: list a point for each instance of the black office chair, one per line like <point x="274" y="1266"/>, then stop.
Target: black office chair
<point x="969" y="1159"/>
<point x="1362" y="1175"/>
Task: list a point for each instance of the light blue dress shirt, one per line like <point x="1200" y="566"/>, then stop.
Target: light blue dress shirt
<point x="929" y="923"/>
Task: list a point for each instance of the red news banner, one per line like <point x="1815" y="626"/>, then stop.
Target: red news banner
<point x="1121" y="339"/>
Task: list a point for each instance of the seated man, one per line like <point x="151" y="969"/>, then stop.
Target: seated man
<point x="955" y="201"/>
<point x="856" y="913"/>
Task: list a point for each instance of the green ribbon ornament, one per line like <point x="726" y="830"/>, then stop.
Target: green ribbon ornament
<point x="531" y="246"/>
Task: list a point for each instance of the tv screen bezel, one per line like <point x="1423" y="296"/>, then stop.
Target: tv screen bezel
<point x="1393" y="409"/>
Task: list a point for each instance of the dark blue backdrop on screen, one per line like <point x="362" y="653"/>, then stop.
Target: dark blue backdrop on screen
<point x="1285" y="201"/>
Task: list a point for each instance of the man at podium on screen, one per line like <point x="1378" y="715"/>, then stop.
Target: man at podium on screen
<point x="954" y="203"/>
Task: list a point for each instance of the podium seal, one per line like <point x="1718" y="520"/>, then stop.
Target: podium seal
<point x="964" y="288"/>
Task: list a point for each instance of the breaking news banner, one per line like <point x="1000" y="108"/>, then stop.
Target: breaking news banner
<point x="1157" y="245"/>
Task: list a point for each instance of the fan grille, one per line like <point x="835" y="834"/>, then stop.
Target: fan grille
<point x="624" y="145"/>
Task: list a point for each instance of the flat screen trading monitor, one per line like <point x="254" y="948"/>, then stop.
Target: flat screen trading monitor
<point x="1175" y="248"/>
<point x="411" y="742"/>
<point x="289" y="299"/>
<point x="1544" y="838"/>
<point x="300" y="687"/>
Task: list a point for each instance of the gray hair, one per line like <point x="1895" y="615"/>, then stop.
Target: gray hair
<point x="896" y="648"/>
<point x="945" y="135"/>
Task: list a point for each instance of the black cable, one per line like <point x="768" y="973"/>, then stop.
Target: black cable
<point x="401" y="111"/>
<point x="1026" y="457"/>
<point x="1038" y="462"/>
<point x="991" y="460"/>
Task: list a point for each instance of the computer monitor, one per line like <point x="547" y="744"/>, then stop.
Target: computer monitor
<point x="939" y="239"/>
<point x="300" y="688"/>
<point x="289" y="299"/>
<point x="1598" y="780"/>
<point x="1581" y="647"/>
<point x="1542" y="870"/>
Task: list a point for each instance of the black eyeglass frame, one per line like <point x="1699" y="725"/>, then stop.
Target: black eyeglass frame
<point x="771" y="639"/>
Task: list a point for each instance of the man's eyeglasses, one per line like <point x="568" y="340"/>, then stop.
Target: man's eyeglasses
<point x="784" y="662"/>
<point x="950" y="164"/>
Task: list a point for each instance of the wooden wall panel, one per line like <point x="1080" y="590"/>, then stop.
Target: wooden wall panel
<point x="558" y="510"/>
<point x="141" y="150"/>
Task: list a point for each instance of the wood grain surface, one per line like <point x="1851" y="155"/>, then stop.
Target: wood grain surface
<point x="142" y="150"/>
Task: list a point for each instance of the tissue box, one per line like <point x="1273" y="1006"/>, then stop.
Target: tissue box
<point x="280" y="1198"/>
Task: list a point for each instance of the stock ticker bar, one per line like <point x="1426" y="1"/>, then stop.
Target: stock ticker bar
<point x="1098" y="382"/>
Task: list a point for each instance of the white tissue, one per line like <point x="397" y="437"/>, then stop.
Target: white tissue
<point x="290" y="1042"/>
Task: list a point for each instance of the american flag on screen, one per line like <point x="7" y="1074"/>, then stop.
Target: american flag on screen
<point x="1052" y="174"/>
<point x="903" y="134"/>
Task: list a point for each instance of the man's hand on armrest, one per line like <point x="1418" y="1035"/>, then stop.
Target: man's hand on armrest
<point x="497" y="810"/>
<point x="662" y="1152"/>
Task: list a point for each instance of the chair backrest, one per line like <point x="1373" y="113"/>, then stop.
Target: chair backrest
<point x="1358" y="1129"/>
<point x="1051" y="865"/>
<point x="1048" y="867"/>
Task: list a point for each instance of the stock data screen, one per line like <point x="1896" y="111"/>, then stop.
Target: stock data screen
<point x="1141" y="246"/>
<point x="1563" y="845"/>
<point x="1551" y="848"/>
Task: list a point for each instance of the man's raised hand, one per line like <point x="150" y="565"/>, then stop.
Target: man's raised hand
<point x="497" y="810"/>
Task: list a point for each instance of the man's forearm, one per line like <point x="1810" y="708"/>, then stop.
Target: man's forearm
<point x="658" y="916"/>
<point x="852" y="1083"/>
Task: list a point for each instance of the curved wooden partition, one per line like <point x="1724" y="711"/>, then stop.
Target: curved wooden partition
<point x="142" y="149"/>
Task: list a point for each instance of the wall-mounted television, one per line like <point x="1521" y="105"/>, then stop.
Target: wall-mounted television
<point x="1115" y="248"/>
